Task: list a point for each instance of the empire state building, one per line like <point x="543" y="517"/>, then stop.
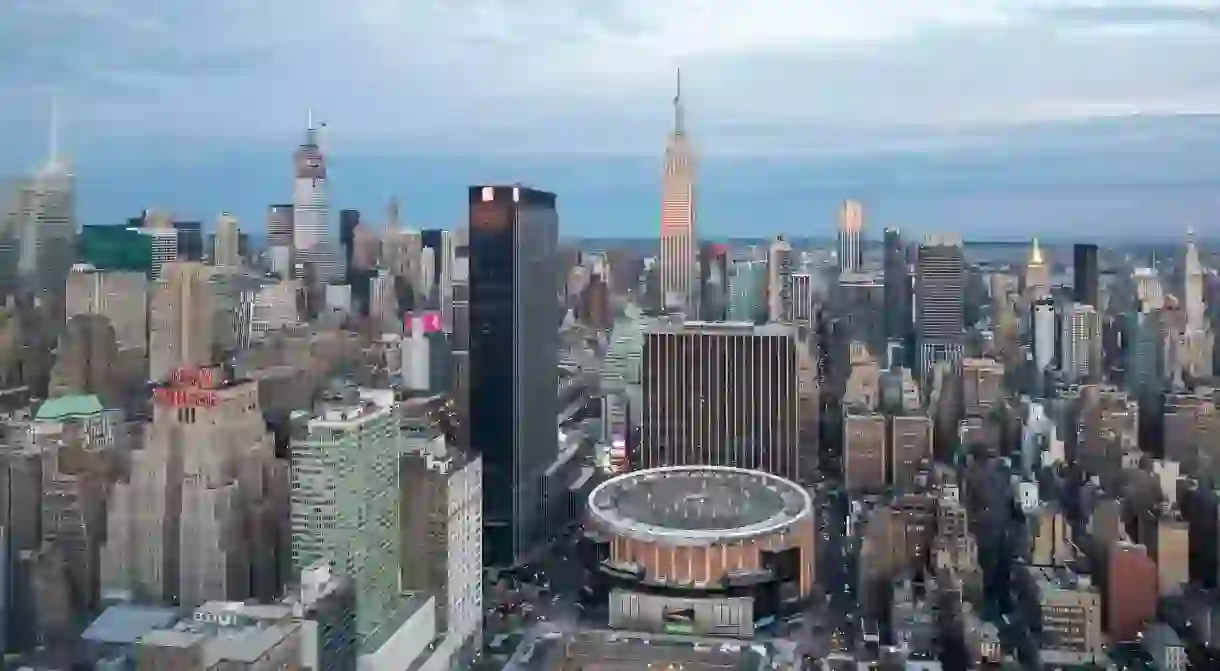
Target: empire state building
<point x="678" y="216"/>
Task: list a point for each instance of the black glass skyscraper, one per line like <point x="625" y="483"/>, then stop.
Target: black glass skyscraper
<point x="1084" y="273"/>
<point x="897" y="288"/>
<point x="514" y="315"/>
<point x="190" y="240"/>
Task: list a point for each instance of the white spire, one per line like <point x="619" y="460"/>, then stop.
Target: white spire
<point x="309" y="122"/>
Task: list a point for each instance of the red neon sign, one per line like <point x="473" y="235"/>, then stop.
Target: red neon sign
<point x="185" y="398"/>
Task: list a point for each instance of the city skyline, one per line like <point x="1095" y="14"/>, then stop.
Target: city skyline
<point x="794" y="107"/>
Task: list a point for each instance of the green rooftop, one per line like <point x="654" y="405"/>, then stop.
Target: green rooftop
<point x="69" y="407"/>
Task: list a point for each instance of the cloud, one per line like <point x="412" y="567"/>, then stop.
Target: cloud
<point x="580" y="76"/>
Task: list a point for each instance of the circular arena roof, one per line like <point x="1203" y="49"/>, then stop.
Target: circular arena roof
<point x="698" y="503"/>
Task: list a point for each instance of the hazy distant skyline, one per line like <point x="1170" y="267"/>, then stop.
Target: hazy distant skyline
<point x="996" y="117"/>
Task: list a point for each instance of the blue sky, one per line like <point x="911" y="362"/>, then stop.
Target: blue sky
<point x="1000" y="118"/>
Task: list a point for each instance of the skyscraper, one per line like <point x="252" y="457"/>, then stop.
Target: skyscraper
<point x="779" y="281"/>
<point x="46" y="230"/>
<point x="851" y="225"/>
<point x="514" y="315"/>
<point x="897" y="288"/>
<point x="1084" y="273"/>
<point x="722" y="394"/>
<point x="345" y="504"/>
<point x="1196" y="308"/>
<point x="225" y="253"/>
<point x="180" y="319"/>
<point x="940" y="288"/>
<point x="678" y="214"/>
<point x="312" y="238"/>
<point x="1080" y="340"/>
<point x="1037" y="275"/>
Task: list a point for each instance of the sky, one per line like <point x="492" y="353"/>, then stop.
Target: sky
<point x="998" y="118"/>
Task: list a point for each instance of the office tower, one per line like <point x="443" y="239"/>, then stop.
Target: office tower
<point x="802" y="298"/>
<point x="865" y="467"/>
<point x="1195" y="344"/>
<point x="678" y="215"/>
<point x="383" y="303"/>
<point x="180" y="319"/>
<point x="513" y="339"/>
<point x="190" y="240"/>
<point x="1044" y="335"/>
<point x="851" y="226"/>
<point x="1130" y="596"/>
<point x="1080" y="342"/>
<point x="442" y="532"/>
<point x="460" y="341"/>
<point x="1084" y="274"/>
<point x="313" y="241"/>
<point x="779" y="281"/>
<point x="859" y="301"/>
<point x="910" y="448"/>
<point x="897" y="288"/>
<point x="1037" y="275"/>
<point x="349" y="221"/>
<point x="748" y="291"/>
<point x="345" y="503"/>
<point x="164" y="240"/>
<point x="940" y="294"/>
<point x="47" y="224"/>
<point x="116" y="248"/>
<point x="713" y="282"/>
<point x="279" y="225"/>
<point x="722" y="394"/>
<point x="225" y="253"/>
<point x="121" y="297"/>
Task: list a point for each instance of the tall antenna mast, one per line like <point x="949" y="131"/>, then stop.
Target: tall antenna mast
<point x="679" y="116"/>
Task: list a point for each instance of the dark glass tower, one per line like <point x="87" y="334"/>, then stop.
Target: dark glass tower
<point x="897" y="289"/>
<point x="190" y="240"/>
<point x="514" y="315"/>
<point x="1084" y="273"/>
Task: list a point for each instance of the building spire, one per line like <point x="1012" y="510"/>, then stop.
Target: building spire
<point x="1035" y="256"/>
<point x="679" y="112"/>
<point x="309" y="117"/>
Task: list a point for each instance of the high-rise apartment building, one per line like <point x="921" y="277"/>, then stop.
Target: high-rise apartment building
<point x="1080" y="342"/>
<point x="1044" y="335"/>
<point x="865" y="467"/>
<point x="678" y="214"/>
<point x="313" y="241"/>
<point x="1085" y="274"/>
<point x="159" y="227"/>
<point x="442" y="539"/>
<point x="910" y="448"/>
<point x="897" y="288"/>
<point x="940" y="288"/>
<point x="225" y="254"/>
<point x="722" y="394"/>
<point x="779" y="281"/>
<point x="851" y="227"/>
<point x="345" y="508"/>
<point x="513" y="343"/>
<point x="180" y="319"/>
